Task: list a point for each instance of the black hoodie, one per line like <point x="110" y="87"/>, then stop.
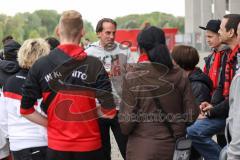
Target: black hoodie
<point x="10" y="50"/>
<point x="201" y="85"/>
<point x="7" y="68"/>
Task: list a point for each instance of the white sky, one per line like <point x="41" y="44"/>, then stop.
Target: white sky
<point x="94" y="10"/>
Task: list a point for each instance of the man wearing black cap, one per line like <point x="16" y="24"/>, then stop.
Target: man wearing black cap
<point x="215" y="59"/>
<point x="215" y="62"/>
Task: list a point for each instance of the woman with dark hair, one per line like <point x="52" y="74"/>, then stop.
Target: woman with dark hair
<point x="155" y="91"/>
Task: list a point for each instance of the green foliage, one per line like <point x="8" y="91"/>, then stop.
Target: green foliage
<point x="135" y="21"/>
<point x="42" y="23"/>
<point x="89" y="31"/>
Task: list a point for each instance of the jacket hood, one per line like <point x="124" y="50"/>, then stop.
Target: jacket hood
<point x="198" y="75"/>
<point x="10" y="50"/>
<point x="9" y="66"/>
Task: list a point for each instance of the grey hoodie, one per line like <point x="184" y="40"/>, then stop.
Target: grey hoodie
<point x="232" y="130"/>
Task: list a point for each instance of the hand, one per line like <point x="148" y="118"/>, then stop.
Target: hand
<point x="205" y="106"/>
<point x="206" y="109"/>
<point x="106" y="113"/>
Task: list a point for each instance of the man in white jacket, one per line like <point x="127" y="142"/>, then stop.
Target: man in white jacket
<point x="114" y="56"/>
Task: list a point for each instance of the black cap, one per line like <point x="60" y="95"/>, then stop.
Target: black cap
<point x="212" y="25"/>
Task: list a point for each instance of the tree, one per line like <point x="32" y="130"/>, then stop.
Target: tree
<point x="49" y="19"/>
<point x="42" y="23"/>
<point x="33" y="34"/>
<point x="155" y="18"/>
<point x="89" y="31"/>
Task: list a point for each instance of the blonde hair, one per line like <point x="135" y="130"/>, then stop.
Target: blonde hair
<point x="31" y="50"/>
<point x="70" y="23"/>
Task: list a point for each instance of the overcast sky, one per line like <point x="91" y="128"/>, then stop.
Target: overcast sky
<point x="93" y="10"/>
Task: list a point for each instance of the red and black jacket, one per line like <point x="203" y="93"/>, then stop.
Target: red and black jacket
<point x="72" y="80"/>
<point x="220" y="98"/>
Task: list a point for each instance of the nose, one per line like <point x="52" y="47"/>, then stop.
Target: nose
<point x="112" y="36"/>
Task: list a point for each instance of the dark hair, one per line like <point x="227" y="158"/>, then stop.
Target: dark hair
<point x="99" y="27"/>
<point x="6" y="39"/>
<point x="186" y="57"/>
<point x="53" y="42"/>
<point x="152" y="41"/>
<point x="232" y="23"/>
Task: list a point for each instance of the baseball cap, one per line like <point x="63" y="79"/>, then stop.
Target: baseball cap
<point x="212" y="25"/>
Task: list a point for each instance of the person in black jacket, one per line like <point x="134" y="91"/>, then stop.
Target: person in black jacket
<point x="187" y="58"/>
<point x="9" y="64"/>
<point x="8" y="67"/>
<point x="68" y="81"/>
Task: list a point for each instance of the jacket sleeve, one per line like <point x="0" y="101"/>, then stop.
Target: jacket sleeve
<point x="201" y="92"/>
<point x="233" y="150"/>
<point x="220" y="110"/>
<point x="31" y="91"/>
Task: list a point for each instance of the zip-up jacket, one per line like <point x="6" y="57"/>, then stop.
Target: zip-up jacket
<point x="72" y="81"/>
<point x="214" y="65"/>
<point x="221" y="108"/>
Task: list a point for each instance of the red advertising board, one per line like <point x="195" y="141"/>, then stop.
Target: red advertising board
<point x="124" y="35"/>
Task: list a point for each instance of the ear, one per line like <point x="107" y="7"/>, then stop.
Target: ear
<point x="231" y="33"/>
<point x="82" y="32"/>
<point x="99" y="34"/>
<point x="57" y="31"/>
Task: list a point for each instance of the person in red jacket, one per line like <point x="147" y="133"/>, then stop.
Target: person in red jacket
<point x="69" y="81"/>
